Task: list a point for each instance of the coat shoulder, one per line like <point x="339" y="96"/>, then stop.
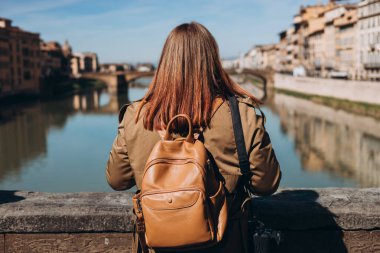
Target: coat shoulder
<point x="250" y="107"/>
<point x="128" y="108"/>
<point x="246" y="106"/>
<point x="247" y="101"/>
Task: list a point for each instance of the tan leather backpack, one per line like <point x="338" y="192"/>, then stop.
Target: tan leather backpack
<point x="182" y="205"/>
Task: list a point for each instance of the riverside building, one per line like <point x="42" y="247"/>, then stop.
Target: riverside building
<point x="322" y="42"/>
<point x="369" y="39"/>
<point x="55" y="59"/>
<point x="346" y="45"/>
<point x="20" y="60"/>
<point x="84" y="62"/>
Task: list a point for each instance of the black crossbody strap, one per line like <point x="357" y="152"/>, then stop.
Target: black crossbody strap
<point x="244" y="164"/>
<point x="239" y="136"/>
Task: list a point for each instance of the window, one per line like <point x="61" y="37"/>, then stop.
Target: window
<point x="3" y="51"/>
<point x="4" y="65"/>
<point x="27" y="75"/>
<point x="25" y="51"/>
<point x="26" y="63"/>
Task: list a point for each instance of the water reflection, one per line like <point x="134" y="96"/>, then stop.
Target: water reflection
<point x="344" y="144"/>
<point x="23" y="138"/>
<point x="91" y="103"/>
<point x="63" y="145"/>
<point x="25" y="129"/>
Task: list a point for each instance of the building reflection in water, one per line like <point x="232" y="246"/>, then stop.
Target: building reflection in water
<point x="342" y="143"/>
<point x="22" y="138"/>
<point x="24" y="129"/>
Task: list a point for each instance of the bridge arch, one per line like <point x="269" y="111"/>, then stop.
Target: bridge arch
<point x="117" y="81"/>
<point x="132" y="76"/>
<point x="266" y="75"/>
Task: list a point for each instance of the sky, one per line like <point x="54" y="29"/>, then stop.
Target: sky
<point x="135" y="30"/>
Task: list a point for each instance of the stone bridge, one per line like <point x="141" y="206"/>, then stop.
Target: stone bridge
<point x="117" y="81"/>
<point x="265" y="75"/>
<point x="338" y="220"/>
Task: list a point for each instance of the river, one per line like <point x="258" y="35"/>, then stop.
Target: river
<point x="63" y="145"/>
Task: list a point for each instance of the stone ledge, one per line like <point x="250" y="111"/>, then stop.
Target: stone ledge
<point x="37" y="212"/>
<point x="288" y="209"/>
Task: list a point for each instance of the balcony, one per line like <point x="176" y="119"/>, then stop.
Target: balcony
<point x="372" y="65"/>
<point x="329" y="64"/>
<point x="372" y="61"/>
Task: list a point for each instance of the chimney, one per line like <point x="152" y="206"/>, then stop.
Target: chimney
<point x="5" y="23"/>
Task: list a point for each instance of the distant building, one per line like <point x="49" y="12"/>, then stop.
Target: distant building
<point x="299" y="46"/>
<point x="333" y="40"/>
<point x="282" y="53"/>
<point x="369" y="39"/>
<point x="111" y="67"/>
<point x="84" y="62"/>
<point x="316" y="50"/>
<point x="320" y="41"/>
<point x="270" y="56"/>
<point x="89" y="62"/>
<point x="145" y="67"/>
<point x="330" y="16"/>
<point x="293" y="45"/>
<point x="301" y="23"/>
<point x="346" y="45"/>
<point x="114" y="67"/>
<point x="20" y="60"/>
<point x="128" y="67"/>
<point x="251" y="59"/>
<point x="75" y="65"/>
<point x="261" y="57"/>
<point x="230" y="64"/>
<point x="288" y="50"/>
<point x="67" y="50"/>
<point x="55" y="59"/>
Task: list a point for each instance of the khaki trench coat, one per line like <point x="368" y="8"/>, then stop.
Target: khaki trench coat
<point x="133" y="145"/>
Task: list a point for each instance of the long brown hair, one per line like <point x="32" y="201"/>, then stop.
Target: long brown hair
<point x="188" y="78"/>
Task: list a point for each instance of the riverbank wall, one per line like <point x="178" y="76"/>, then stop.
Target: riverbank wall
<point x="310" y="220"/>
<point x="357" y="91"/>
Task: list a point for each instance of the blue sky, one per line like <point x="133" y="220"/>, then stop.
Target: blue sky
<point x="135" y="30"/>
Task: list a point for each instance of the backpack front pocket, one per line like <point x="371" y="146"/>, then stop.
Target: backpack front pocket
<point x="185" y="214"/>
